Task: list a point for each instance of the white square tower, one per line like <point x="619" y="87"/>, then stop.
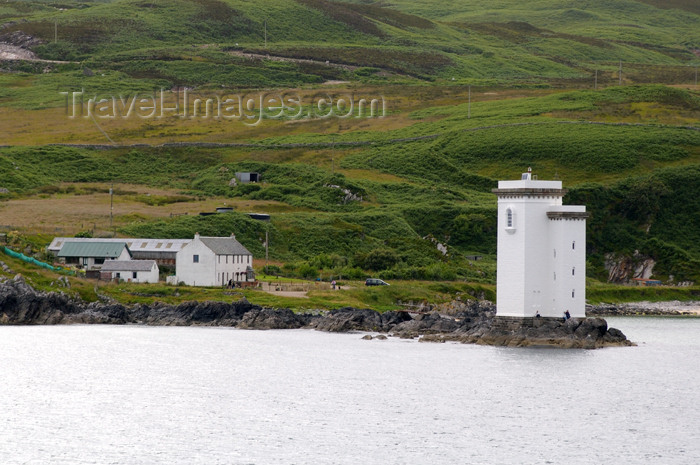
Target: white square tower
<point x="541" y="250"/>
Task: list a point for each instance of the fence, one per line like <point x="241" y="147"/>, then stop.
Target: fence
<point x="31" y="260"/>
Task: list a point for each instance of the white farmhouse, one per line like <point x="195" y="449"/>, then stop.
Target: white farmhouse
<point x="133" y="271"/>
<point x="541" y="250"/>
<point x="214" y="261"/>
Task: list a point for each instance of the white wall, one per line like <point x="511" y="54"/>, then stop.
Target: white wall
<point x="196" y="274"/>
<point x="569" y="240"/>
<point x="524" y="255"/>
<point x="141" y="276"/>
<point x="232" y="267"/>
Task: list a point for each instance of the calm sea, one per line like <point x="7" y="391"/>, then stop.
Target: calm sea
<point x="187" y="395"/>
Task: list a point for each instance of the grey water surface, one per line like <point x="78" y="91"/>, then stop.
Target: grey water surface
<point x="202" y="395"/>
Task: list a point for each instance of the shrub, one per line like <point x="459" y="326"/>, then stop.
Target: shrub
<point x="377" y="259"/>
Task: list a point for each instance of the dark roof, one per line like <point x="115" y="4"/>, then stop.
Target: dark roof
<point x="225" y="246"/>
<point x="128" y="265"/>
<point x="92" y="249"/>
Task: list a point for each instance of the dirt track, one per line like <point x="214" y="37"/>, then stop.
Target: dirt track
<point x="258" y="56"/>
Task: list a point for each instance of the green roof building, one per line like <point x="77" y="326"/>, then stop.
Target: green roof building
<point x="91" y="255"/>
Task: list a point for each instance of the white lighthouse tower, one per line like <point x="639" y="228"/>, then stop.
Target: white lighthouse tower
<point x="541" y="250"/>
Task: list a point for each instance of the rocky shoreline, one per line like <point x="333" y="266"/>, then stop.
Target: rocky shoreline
<point x="467" y="322"/>
<point x="671" y="308"/>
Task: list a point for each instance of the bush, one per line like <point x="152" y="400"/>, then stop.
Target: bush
<point x="60" y="51"/>
<point x="377" y="259"/>
<point x="475" y="231"/>
<point x="246" y="189"/>
<point x="273" y="270"/>
<point x="307" y="271"/>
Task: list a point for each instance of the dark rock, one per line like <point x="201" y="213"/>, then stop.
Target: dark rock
<point x="427" y="324"/>
<point x="391" y="319"/>
<point x="270" y="318"/>
<point x="593" y="327"/>
<point x="347" y="319"/>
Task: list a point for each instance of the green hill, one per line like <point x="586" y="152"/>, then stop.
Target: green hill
<point x="475" y="41"/>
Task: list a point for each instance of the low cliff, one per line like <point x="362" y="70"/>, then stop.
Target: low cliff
<point x="467" y="322"/>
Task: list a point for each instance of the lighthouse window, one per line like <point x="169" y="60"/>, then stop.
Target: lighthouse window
<point x="509" y="218"/>
<point x="555" y="253"/>
<point x="555" y="275"/>
<point x="573" y="271"/>
<point x="573" y="245"/>
<point x="573" y="291"/>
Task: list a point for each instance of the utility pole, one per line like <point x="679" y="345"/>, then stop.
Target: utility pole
<point x="595" y="82"/>
<point x="469" y="105"/>
<point x="620" y="72"/>
<point x="111" y="207"/>
<point x="267" y="243"/>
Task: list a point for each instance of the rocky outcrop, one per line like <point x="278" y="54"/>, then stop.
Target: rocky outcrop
<point x="20" y="39"/>
<point x="622" y="269"/>
<point x="347" y="319"/>
<point x="269" y="318"/>
<point x="582" y="333"/>
<point x="467" y="322"/>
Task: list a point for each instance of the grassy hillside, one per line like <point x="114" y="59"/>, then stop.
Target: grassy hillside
<point x="198" y="42"/>
<point x="638" y="180"/>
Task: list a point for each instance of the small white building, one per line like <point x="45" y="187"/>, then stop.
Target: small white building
<point x="214" y="261"/>
<point x="541" y="250"/>
<point x="133" y="271"/>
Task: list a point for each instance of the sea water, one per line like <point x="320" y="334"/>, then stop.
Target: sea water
<point x="200" y="395"/>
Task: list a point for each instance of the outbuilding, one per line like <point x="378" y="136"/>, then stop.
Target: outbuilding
<point x="246" y="177"/>
<point x="134" y="271"/>
<point x="92" y="255"/>
<point x="163" y="251"/>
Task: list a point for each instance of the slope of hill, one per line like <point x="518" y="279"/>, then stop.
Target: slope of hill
<point x="384" y="207"/>
<point x="476" y="40"/>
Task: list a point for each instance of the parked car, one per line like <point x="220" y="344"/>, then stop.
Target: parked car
<point x="375" y="282"/>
